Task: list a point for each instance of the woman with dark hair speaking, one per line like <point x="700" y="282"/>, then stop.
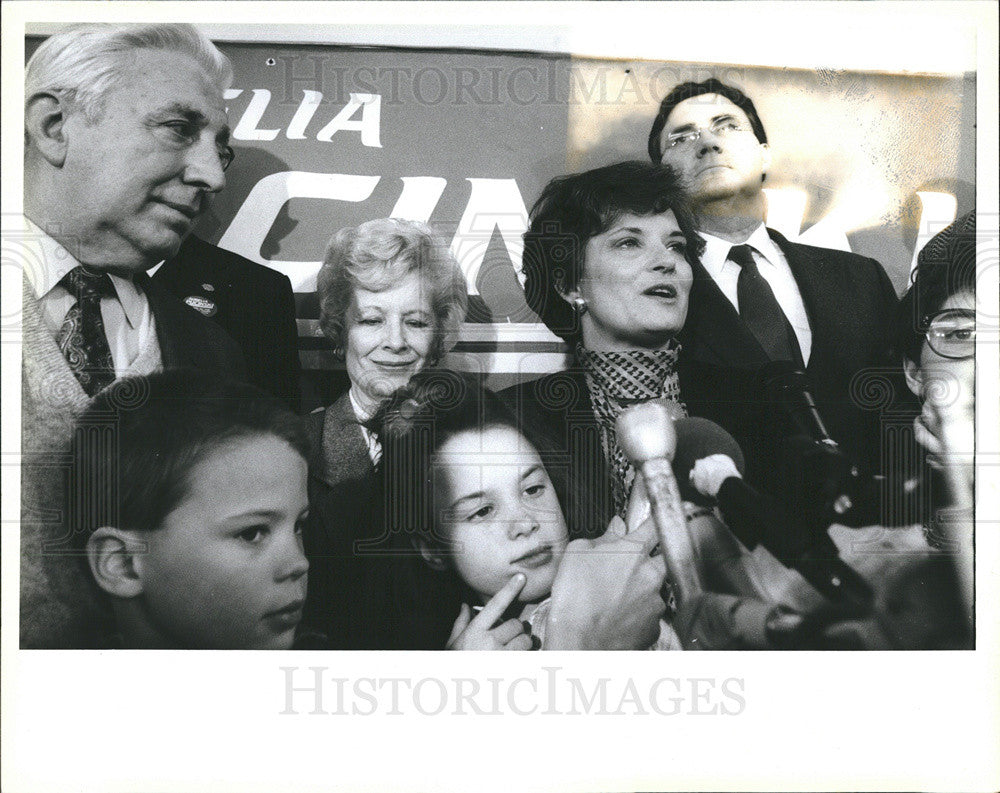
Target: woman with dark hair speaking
<point x="608" y="262"/>
<point x="607" y="266"/>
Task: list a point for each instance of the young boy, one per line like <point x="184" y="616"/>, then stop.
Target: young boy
<point x="188" y="498"/>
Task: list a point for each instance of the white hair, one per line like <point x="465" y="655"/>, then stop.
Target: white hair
<point x="80" y="64"/>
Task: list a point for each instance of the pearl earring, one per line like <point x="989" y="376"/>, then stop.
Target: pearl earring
<point x="580" y="305"/>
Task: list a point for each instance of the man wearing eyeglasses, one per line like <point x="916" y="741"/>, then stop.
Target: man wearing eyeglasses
<point x="758" y="297"/>
<point x="125" y="140"/>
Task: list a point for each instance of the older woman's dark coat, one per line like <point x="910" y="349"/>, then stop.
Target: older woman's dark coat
<point x="368" y="588"/>
<point x="342" y="513"/>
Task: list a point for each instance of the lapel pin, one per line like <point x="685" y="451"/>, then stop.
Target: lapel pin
<point x="202" y="305"/>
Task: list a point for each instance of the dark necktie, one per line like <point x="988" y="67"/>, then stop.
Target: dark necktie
<point x="760" y="311"/>
<point x="82" y="338"/>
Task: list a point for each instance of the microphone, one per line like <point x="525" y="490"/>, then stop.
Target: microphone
<point x="787" y="385"/>
<point x="698" y="438"/>
<point x="759" y="519"/>
<point x="646" y="435"/>
<point x="819" y="476"/>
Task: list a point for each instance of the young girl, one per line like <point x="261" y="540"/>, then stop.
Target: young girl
<point x="471" y="491"/>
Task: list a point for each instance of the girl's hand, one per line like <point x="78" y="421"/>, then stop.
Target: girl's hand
<point x="479" y="633"/>
<point x="947" y="432"/>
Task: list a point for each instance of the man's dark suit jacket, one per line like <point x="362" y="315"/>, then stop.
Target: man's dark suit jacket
<point x="187" y="340"/>
<point x="253" y="303"/>
<point x="850" y="303"/>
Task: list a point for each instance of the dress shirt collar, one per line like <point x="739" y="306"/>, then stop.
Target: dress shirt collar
<point x="54" y="261"/>
<point x="361" y="414"/>
<point x="715" y="260"/>
<point x="51" y="261"/>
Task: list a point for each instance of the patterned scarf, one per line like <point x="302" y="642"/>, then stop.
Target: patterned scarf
<point x="616" y="380"/>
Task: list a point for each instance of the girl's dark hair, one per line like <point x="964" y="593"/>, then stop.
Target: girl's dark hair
<point x="136" y="445"/>
<point x="945" y="267"/>
<point x="574" y="208"/>
<point x="416" y="422"/>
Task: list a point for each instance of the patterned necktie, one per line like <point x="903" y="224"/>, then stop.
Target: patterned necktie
<point x="82" y="338"/>
<point x="760" y="311"/>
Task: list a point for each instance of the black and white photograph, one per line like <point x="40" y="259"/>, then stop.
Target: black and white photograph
<point x="364" y="332"/>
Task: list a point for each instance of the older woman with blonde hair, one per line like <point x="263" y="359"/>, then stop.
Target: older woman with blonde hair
<point x="391" y="298"/>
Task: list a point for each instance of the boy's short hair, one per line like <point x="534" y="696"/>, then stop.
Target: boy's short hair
<point x="135" y="446"/>
<point x="945" y="267"/>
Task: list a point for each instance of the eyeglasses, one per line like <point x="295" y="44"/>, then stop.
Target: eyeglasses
<point x="951" y="333"/>
<point x="721" y="127"/>
<point x="226" y="156"/>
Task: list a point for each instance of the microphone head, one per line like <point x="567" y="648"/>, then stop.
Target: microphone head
<point x="698" y="438"/>
<point x="646" y="432"/>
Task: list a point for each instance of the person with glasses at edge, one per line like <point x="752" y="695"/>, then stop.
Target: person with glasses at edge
<point x="919" y="554"/>
<point x="922" y="558"/>
<point x="935" y="338"/>
<point x="757" y="297"/>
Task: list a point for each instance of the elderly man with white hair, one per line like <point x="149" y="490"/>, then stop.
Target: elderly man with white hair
<point x="125" y="139"/>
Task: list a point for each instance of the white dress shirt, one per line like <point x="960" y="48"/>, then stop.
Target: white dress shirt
<point x="773" y="266"/>
<point x="128" y="321"/>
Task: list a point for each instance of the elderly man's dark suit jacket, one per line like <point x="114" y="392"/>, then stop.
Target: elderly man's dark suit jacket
<point x="253" y="303"/>
<point x="59" y="606"/>
<point x="850" y="303"/>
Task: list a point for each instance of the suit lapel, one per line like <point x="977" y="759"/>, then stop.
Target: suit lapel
<point x="176" y="328"/>
<point x="806" y="273"/>
<point x="713" y="331"/>
<point x="587" y="463"/>
<point x="170" y="333"/>
<point x="821" y="284"/>
<point x="345" y="452"/>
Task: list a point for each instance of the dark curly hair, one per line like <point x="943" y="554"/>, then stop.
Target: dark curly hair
<point x="945" y="267"/>
<point x="688" y="90"/>
<point x="574" y="208"/>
